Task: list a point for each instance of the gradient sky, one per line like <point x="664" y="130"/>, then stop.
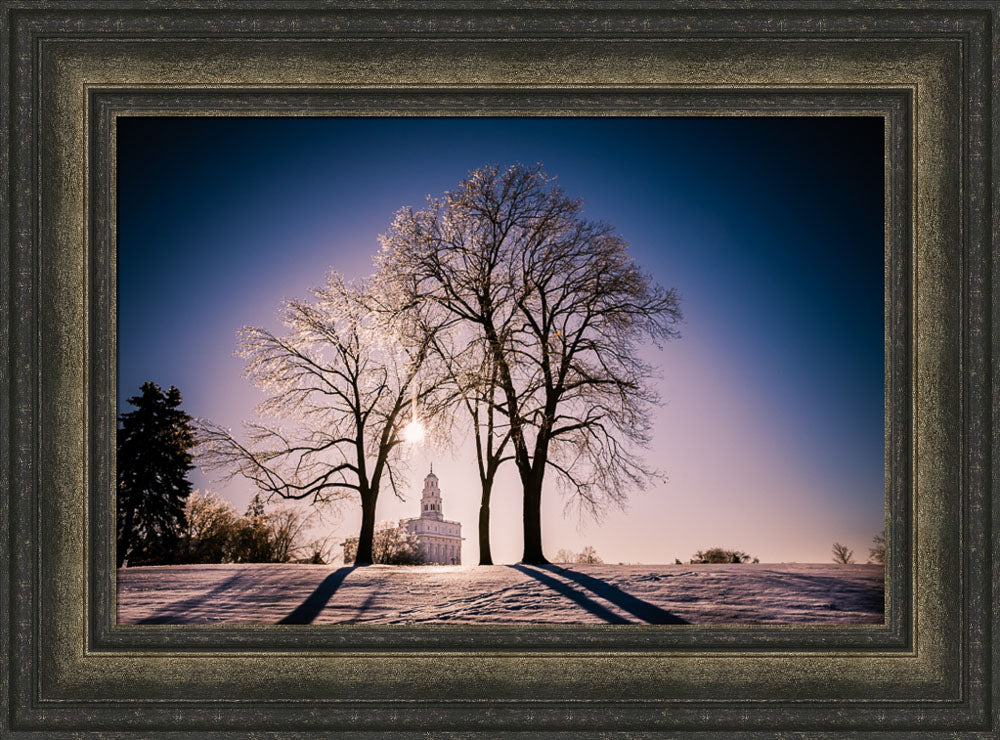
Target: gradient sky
<point x="771" y="229"/>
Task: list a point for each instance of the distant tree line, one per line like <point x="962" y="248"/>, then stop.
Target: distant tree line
<point x="215" y="533"/>
<point x="588" y="555"/>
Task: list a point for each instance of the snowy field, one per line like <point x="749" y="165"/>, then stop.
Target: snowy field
<point x="578" y="594"/>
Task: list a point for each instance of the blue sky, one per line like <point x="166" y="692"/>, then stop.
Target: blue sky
<point x="771" y="230"/>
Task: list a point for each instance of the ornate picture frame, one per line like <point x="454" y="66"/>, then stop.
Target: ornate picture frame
<point x="71" y="68"/>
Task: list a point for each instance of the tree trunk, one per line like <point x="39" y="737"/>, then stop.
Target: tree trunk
<point x="364" y="556"/>
<point x="485" y="556"/>
<point x="533" y="522"/>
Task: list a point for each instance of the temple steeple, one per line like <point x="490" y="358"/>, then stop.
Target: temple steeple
<point x="440" y="540"/>
<point x="430" y="500"/>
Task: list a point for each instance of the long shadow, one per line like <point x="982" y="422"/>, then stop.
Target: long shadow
<point x="870" y="598"/>
<point x="307" y="611"/>
<point x="573" y="595"/>
<point x="168" y="614"/>
<point x="824" y="582"/>
<point x="363" y="608"/>
<point x="635" y="606"/>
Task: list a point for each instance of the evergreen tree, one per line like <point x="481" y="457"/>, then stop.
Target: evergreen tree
<point x="154" y="443"/>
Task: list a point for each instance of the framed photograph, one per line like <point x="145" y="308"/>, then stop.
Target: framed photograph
<point x="373" y="443"/>
<point x="429" y="368"/>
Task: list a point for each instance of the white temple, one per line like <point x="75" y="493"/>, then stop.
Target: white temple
<point x="440" y="540"/>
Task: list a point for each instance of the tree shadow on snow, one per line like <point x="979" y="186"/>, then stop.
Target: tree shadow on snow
<point x="649" y="613"/>
<point x="844" y="594"/>
<point x="175" y="613"/>
<point x="573" y="595"/>
<point x="308" y="610"/>
<point x="361" y="610"/>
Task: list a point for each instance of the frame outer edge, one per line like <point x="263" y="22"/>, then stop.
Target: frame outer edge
<point x="992" y="209"/>
<point x="6" y="370"/>
<point x="19" y="333"/>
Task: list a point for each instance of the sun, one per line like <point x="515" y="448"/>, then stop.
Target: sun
<point x="414" y="432"/>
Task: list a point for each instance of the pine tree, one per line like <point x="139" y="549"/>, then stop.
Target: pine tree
<point x="154" y="443"/>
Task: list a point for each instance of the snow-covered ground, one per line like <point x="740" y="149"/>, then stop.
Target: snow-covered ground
<point x="578" y="594"/>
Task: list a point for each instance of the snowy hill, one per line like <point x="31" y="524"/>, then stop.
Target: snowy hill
<point x="577" y="594"/>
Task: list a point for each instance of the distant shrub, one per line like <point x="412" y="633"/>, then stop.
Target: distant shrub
<point x="391" y="545"/>
<point x="209" y="532"/>
<point x="269" y="537"/>
<point x="316" y="552"/>
<point x="841" y="554"/>
<point x="721" y="555"/>
<point x="876" y="553"/>
<point x="565" y="556"/>
<point x="589" y="555"/>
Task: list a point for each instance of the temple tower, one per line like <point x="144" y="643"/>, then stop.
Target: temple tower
<point x="430" y="500"/>
<point x="440" y="540"/>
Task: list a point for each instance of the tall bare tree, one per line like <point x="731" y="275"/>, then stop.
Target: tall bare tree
<point x="563" y="311"/>
<point x="474" y="380"/>
<point x="876" y="553"/>
<point x="345" y="389"/>
<point x="470" y="383"/>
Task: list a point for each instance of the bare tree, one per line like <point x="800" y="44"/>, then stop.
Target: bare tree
<point x="876" y="553"/>
<point x="346" y="387"/>
<point x="469" y="382"/>
<point x="473" y="378"/>
<point x="841" y="554"/>
<point x="565" y="556"/>
<point x="562" y="309"/>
